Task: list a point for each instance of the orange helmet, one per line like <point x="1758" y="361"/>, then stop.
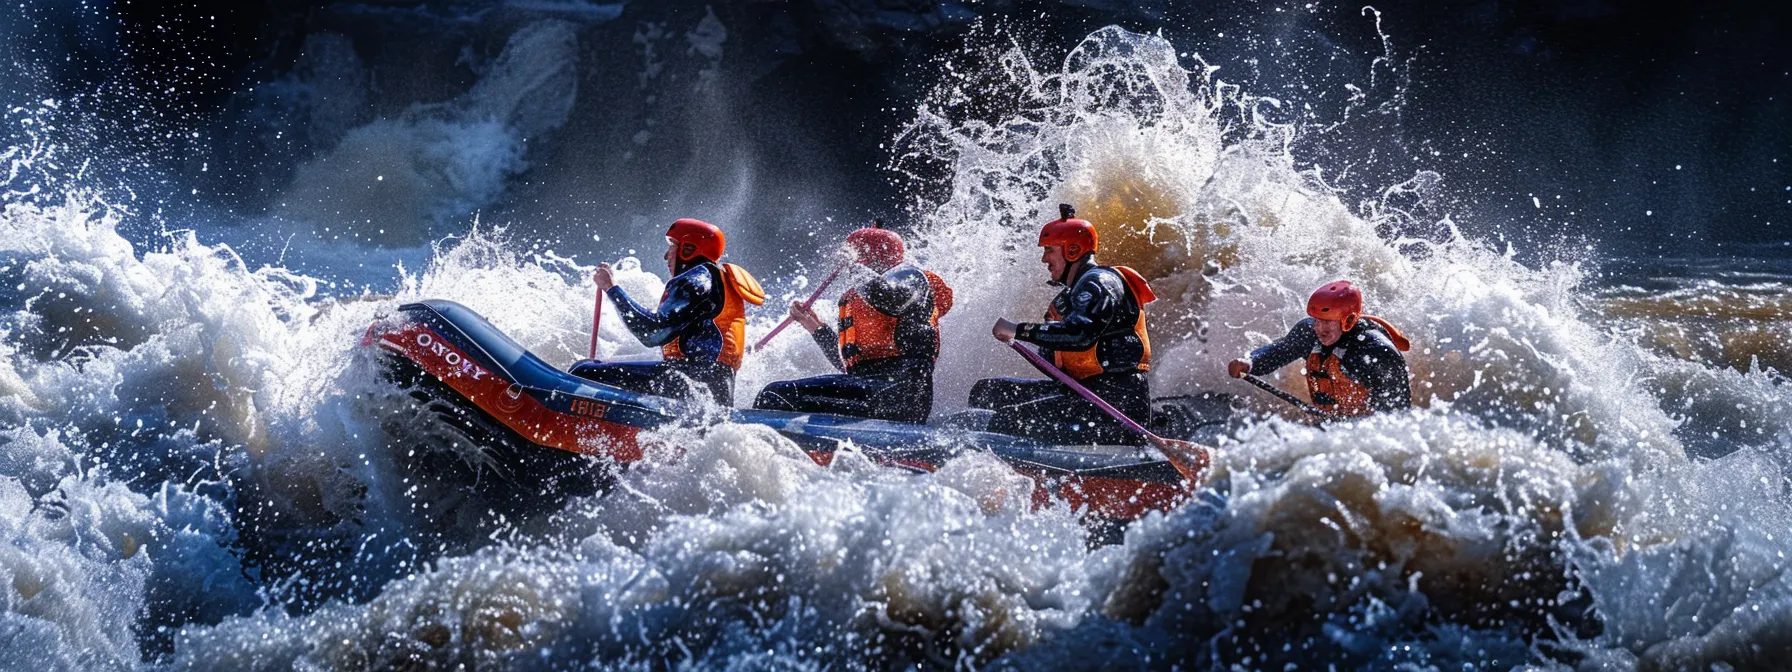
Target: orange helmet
<point x="697" y="238"/>
<point x="876" y="247"/>
<point x="1339" y="301"/>
<point x="1076" y="236"/>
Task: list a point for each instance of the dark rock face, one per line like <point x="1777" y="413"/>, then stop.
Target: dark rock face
<point x="762" y="111"/>
<point x="728" y="111"/>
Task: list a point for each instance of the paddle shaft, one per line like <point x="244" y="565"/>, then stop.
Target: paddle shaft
<point x="1284" y="396"/>
<point x="1190" y="459"/>
<point x="806" y="303"/>
<point x="1057" y="374"/>
<point x="597" y="315"/>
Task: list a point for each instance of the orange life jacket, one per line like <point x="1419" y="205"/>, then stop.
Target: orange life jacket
<point x="867" y="333"/>
<point x="1333" y="390"/>
<point x="1082" y="364"/>
<point x="738" y="289"/>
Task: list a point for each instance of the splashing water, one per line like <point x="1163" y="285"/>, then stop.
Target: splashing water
<point x="199" y="467"/>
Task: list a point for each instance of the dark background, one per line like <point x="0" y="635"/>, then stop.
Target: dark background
<point x="1645" y="128"/>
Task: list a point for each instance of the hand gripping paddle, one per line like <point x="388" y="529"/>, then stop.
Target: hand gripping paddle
<point x="806" y="303"/>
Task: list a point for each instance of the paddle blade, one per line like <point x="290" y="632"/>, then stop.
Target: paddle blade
<point x="1192" y="460"/>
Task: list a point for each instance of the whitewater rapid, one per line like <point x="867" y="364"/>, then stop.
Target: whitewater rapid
<point x="201" y="470"/>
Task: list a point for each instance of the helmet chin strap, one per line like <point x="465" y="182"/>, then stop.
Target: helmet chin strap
<point x="683" y="265"/>
<point x="1072" y="268"/>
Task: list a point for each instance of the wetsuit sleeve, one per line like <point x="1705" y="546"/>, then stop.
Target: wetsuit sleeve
<point x="1378" y="365"/>
<point x="1299" y="341"/>
<point x="829" y="340"/>
<point x="690" y="298"/>
<point x="1093" y="305"/>
<point x="895" y="292"/>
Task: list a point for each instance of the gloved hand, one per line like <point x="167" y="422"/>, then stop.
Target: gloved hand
<point x="805" y="316"/>
<point x="1004" y="330"/>
<point x="604" y="277"/>
<point x="1237" y="368"/>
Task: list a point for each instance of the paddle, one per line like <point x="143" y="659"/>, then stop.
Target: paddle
<point x="806" y="303"/>
<point x="597" y="314"/>
<point x="1284" y="396"/>
<point x="1190" y="459"/>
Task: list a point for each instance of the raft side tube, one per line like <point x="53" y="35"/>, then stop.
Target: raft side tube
<point x="514" y="387"/>
<point x="494" y="375"/>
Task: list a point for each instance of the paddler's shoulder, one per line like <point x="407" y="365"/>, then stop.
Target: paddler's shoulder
<point x="701" y="277"/>
<point x="1370" y="336"/>
<point x="1103" y="279"/>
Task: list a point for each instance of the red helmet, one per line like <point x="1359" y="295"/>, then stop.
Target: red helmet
<point x="1076" y="236"/>
<point x="876" y="247"/>
<point x="697" y="238"/>
<point x="1339" y="301"/>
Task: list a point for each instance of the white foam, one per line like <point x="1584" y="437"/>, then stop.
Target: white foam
<point x="738" y="543"/>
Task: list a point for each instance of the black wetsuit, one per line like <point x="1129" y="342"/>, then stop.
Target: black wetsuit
<point x="1098" y="311"/>
<point x="686" y="314"/>
<point x="896" y="388"/>
<point x="1366" y="354"/>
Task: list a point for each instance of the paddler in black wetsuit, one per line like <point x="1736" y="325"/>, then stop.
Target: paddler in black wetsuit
<point x="1353" y="361"/>
<point x="887" y="342"/>
<point x="1094" y="331"/>
<point x="700" y="325"/>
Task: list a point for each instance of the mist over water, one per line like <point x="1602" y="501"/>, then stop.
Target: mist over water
<point x="200" y="469"/>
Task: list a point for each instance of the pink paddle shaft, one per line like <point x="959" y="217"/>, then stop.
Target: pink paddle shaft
<point x="1058" y="375"/>
<point x="806" y="303"/>
<point x="597" y="314"/>
<point x="1190" y="459"/>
